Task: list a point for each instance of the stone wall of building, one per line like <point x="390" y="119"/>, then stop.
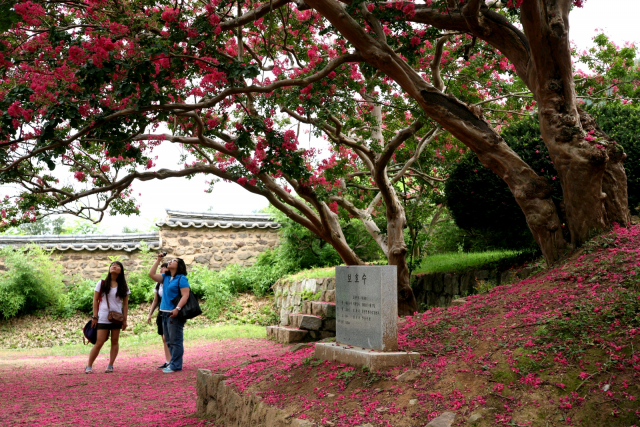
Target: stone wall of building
<point x="95" y="265"/>
<point x="217" y="247"/>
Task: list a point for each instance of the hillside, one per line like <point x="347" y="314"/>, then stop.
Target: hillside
<point x="559" y="348"/>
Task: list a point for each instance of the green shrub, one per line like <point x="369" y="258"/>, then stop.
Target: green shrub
<point x="301" y="249"/>
<point x="482" y="203"/>
<point x="80" y="295"/>
<point x="622" y="123"/>
<point x="200" y="277"/>
<point x="217" y="288"/>
<point x="31" y="283"/>
<point x="140" y="285"/>
<point x="216" y="294"/>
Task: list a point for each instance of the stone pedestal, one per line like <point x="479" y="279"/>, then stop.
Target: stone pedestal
<point x="366" y="314"/>
<point x="358" y="356"/>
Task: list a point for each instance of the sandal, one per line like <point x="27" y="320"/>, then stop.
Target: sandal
<point x="109" y="370"/>
<point x="88" y="370"/>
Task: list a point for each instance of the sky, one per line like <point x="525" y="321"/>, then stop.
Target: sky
<point x="618" y="19"/>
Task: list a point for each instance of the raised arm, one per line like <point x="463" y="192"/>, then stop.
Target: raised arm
<point x="153" y="272"/>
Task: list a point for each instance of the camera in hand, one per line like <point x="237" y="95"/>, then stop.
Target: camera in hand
<point x="163" y="254"/>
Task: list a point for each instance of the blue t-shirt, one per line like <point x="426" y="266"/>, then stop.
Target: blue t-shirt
<point x="171" y="289"/>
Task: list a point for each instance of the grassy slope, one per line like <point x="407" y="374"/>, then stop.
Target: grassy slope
<point x="461" y="261"/>
<point x="559" y="348"/>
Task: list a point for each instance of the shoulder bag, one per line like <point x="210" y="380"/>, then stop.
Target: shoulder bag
<point x="191" y="309"/>
<point x="114" y="316"/>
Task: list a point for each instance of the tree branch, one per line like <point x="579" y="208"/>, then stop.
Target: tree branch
<point x="435" y="63"/>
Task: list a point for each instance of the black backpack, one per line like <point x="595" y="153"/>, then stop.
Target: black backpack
<point x="191" y="309"/>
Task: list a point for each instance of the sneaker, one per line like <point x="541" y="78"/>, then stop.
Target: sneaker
<point x="168" y="370"/>
<point x="88" y="370"/>
<point x="164" y="365"/>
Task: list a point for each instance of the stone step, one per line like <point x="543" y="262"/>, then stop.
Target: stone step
<point x="320" y="335"/>
<point x="320" y="308"/>
<point x="305" y="321"/>
<point x="286" y="335"/>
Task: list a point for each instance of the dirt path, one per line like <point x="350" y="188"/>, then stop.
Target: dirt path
<point x="53" y="390"/>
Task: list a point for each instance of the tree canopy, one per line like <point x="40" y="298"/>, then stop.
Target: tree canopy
<point x="90" y="88"/>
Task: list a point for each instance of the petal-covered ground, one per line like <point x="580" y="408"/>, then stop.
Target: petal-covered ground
<point x="560" y="348"/>
<point x="54" y="390"/>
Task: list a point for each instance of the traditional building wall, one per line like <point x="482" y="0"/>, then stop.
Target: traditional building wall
<point x="213" y="240"/>
<point x="218" y="248"/>
<point x="95" y="265"/>
<point x="217" y="240"/>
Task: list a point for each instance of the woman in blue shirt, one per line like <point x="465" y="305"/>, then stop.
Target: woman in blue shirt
<point x="174" y="283"/>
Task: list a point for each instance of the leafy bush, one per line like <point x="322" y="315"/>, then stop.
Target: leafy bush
<point x="217" y="288"/>
<point x="482" y="203"/>
<point x="622" y="123"/>
<point x="200" y="277"/>
<point x="31" y="283"/>
<point x="80" y="295"/>
<point x="205" y="285"/>
<point x="300" y="249"/>
<point x="257" y="279"/>
<point x="140" y="285"/>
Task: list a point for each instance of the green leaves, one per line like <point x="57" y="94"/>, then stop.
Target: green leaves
<point x="8" y="16"/>
<point x="237" y="70"/>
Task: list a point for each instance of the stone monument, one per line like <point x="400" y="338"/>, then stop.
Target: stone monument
<point x="366" y="319"/>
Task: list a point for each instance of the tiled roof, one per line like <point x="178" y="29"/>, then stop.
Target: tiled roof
<point x="89" y="242"/>
<point x="213" y="220"/>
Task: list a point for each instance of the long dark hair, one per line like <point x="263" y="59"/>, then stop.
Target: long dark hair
<point x="123" y="288"/>
<point x="182" y="267"/>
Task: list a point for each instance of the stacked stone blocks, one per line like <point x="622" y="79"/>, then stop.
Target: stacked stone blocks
<point x="220" y="248"/>
<point x="216" y="399"/>
<point x="307" y="310"/>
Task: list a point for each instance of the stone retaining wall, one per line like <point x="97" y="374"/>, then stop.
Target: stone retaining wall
<point x="289" y="296"/>
<point x="219" y="401"/>
<point x="430" y="289"/>
<point x="439" y="289"/>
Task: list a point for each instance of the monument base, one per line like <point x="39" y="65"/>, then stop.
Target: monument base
<point x="358" y="356"/>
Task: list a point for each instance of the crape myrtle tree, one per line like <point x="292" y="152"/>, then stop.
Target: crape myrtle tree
<point x="116" y="85"/>
<point x="91" y="87"/>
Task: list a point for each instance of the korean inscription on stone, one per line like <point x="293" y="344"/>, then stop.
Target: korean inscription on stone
<point x="367" y="307"/>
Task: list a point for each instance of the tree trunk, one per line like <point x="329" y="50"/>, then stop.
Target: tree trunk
<point x="531" y="191"/>
<point x="397" y="248"/>
<point x="396" y="221"/>
<point x="543" y="59"/>
<point x="589" y="164"/>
